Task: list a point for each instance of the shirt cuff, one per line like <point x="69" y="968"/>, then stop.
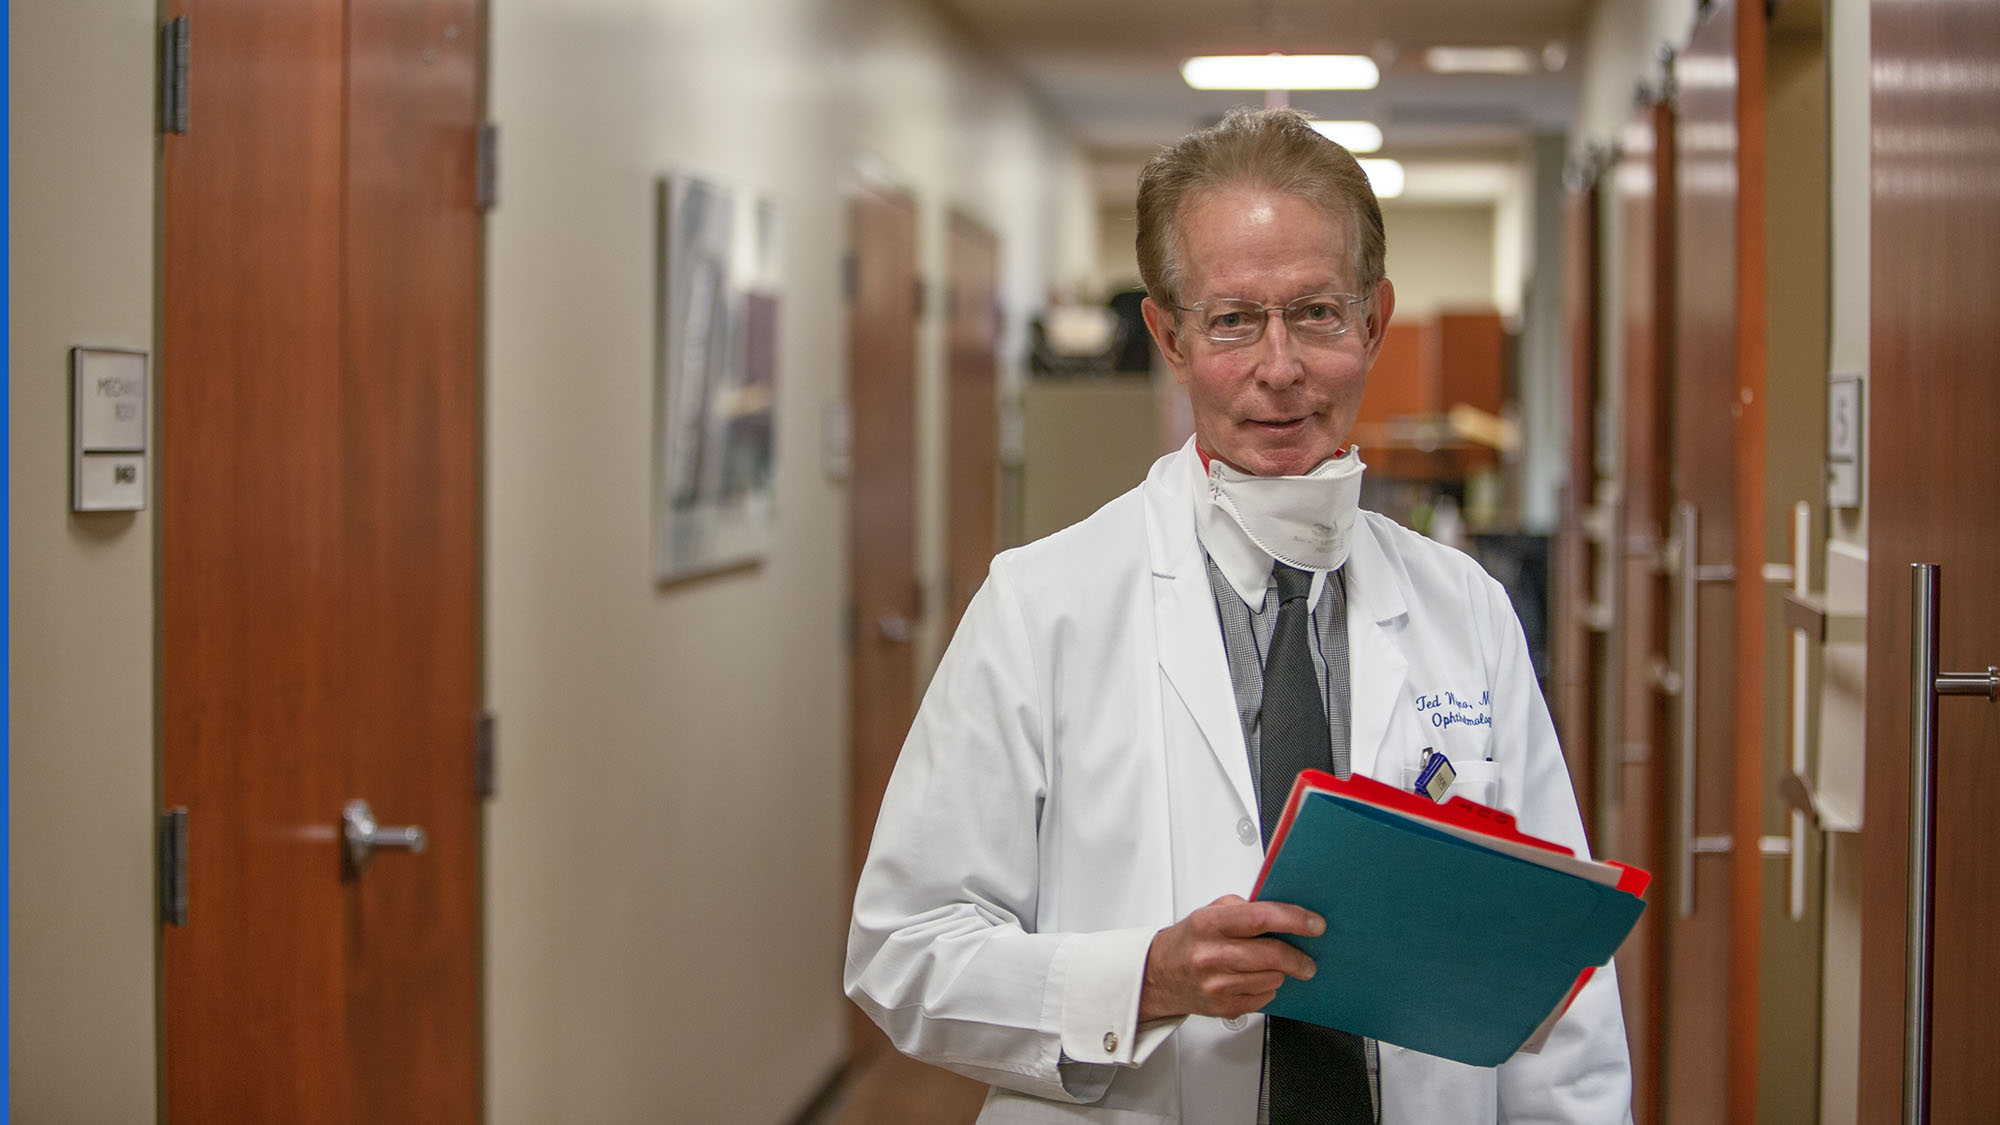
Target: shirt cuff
<point x="1100" y="1007"/>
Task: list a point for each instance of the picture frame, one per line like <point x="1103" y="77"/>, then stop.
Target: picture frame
<point x="716" y="348"/>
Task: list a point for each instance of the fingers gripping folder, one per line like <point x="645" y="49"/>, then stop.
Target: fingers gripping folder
<point x="1448" y="930"/>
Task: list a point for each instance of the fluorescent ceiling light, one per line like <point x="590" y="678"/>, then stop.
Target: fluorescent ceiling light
<point x="1385" y="176"/>
<point x="1480" y="60"/>
<point x="1354" y="136"/>
<point x="1281" y="72"/>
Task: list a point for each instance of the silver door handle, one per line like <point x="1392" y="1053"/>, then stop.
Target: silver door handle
<point x="1690" y="574"/>
<point x="1926" y="684"/>
<point x="1801" y="580"/>
<point x="895" y="628"/>
<point x="363" y="835"/>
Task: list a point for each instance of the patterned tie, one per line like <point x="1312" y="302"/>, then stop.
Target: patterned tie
<point x="1318" y="1074"/>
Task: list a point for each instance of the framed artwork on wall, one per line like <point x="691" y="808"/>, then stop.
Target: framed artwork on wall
<point x="717" y="378"/>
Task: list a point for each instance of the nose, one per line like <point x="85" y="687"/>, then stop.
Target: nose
<point x="1281" y="364"/>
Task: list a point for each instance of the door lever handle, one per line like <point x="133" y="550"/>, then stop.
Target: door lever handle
<point x="362" y="835"/>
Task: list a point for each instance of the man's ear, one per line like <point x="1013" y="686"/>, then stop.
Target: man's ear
<point x="1160" y="322"/>
<point x="1379" y="311"/>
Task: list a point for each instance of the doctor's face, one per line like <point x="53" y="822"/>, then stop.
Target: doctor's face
<point x="1285" y="399"/>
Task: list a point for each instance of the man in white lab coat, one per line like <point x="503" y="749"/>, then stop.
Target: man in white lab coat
<point x="1051" y="903"/>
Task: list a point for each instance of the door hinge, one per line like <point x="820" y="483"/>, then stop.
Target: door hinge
<point x="174" y="866"/>
<point x="486" y="760"/>
<point x="488" y="171"/>
<point x="174" y="75"/>
<point x="850" y="277"/>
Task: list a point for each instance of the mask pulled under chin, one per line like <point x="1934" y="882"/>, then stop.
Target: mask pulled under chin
<point x="1302" y="521"/>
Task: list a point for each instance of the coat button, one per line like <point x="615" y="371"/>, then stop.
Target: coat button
<point x="1235" y="1023"/>
<point x="1246" y="832"/>
<point x="1110" y="1042"/>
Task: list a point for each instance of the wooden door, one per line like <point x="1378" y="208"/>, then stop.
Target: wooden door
<point x="1788" y="940"/>
<point x="882" y="497"/>
<point x="1932" y="399"/>
<point x="1576" y="638"/>
<point x="973" y="488"/>
<point x="319" y="513"/>
<point x="1700" y="1058"/>
<point x="1751" y="793"/>
<point x="1644" y="178"/>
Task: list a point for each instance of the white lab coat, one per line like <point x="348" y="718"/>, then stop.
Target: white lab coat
<point x="1076" y="779"/>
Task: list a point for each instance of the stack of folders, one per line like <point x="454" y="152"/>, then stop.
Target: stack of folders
<point x="1448" y="931"/>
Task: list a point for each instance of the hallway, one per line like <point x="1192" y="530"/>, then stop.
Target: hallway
<point x="490" y="481"/>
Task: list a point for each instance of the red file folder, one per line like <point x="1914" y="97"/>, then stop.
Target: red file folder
<point x="1487" y="828"/>
<point x="1456" y="813"/>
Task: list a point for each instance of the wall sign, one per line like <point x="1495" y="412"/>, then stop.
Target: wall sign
<point x="108" y="408"/>
<point x="1843" y="441"/>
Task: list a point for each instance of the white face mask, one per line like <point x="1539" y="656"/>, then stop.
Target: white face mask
<point x="1302" y="521"/>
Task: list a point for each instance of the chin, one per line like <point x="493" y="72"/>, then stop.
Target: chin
<point x="1276" y="462"/>
<point x="1289" y="458"/>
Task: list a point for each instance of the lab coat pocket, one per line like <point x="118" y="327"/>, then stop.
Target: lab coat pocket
<point x="1478" y="780"/>
<point x="1420" y="1089"/>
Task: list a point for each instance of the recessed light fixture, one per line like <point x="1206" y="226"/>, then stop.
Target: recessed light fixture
<point x="1385" y="176"/>
<point x="1281" y="72"/>
<point x="1354" y="136"/>
<point x="1481" y="60"/>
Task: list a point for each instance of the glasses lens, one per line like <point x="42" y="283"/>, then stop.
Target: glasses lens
<point x="1323" y="314"/>
<point x="1226" y="320"/>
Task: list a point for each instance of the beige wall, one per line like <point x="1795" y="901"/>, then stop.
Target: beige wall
<point x="1086" y="442"/>
<point x="1842" y="712"/>
<point x="80" y="588"/>
<point x="1621" y="45"/>
<point x="1117" y="256"/>
<point x="1441" y="256"/>
<point x="667" y="853"/>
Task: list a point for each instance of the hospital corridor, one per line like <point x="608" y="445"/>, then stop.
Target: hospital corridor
<point x="504" y="499"/>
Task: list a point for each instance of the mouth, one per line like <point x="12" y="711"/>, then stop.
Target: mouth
<point x="1277" y="425"/>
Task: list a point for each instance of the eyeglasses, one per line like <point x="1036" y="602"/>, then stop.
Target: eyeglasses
<point x="1234" y="320"/>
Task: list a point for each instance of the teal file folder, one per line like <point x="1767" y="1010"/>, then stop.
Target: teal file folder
<point x="1455" y="947"/>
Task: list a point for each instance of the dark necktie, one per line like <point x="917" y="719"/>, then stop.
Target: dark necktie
<point x="1318" y="1074"/>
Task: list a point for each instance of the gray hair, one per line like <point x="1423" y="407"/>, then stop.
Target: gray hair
<point x="1274" y="149"/>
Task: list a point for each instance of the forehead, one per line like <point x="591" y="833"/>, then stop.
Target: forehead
<point x="1256" y="242"/>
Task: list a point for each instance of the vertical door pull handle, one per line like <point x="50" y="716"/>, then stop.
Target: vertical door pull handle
<point x="1926" y="685"/>
<point x="1689" y="574"/>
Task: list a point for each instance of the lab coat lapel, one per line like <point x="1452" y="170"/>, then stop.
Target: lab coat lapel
<point x="1377" y="668"/>
<point x="1184" y="620"/>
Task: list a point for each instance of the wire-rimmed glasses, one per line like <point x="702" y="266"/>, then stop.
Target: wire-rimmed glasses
<point x="1237" y="320"/>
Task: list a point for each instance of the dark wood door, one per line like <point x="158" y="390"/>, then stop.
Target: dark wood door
<point x="1751" y="787"/>
<point x="973" y="489"/>
<point x="1700" y="1057"/>
<point x="1577" y="648"/>
<point x="1932" y="399"/>
<point x="320" y="406"/>
<point x="882" y="499"/>
<point x="1644" y="178"/>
